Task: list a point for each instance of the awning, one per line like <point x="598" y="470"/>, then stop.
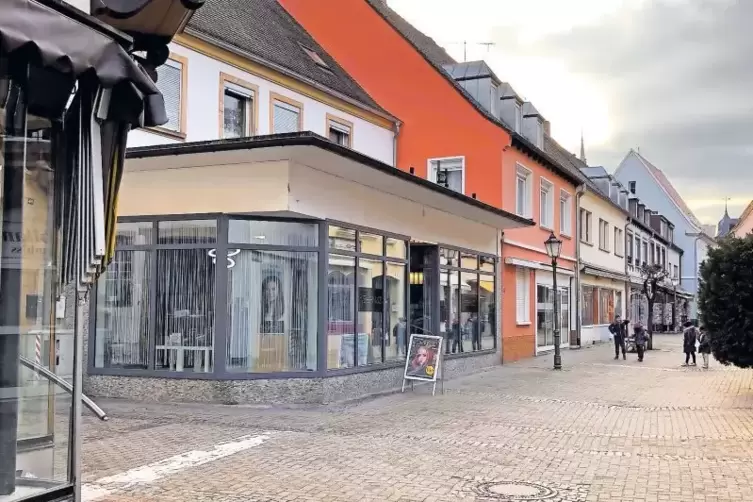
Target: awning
<point x="49" y="38"/>
<point x="600" y="272"/>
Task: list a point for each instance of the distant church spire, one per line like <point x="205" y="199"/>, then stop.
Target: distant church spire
<point x="582" y="148"/>
<point x="726" y="213"/>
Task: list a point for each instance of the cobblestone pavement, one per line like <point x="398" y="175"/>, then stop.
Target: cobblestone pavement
<point x="600" y="430"/>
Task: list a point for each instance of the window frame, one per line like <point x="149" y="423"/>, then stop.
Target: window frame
<point x="587" y="229"/>
<point x="525" y="174"/>
<point x="181" y="133"/>
<point x="567" y="198"/>
<point x="431" y="173"/>
<point x="275" y="97"/>
<point x="619" y="242"/>
<point x="345" y="124"/>
<point x="525" y="274"/>
<point x="546" y="192"/>
<point x="252" y="128"/>
<point x="604" y="237"/>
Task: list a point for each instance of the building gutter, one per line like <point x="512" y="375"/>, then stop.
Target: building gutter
<point x="500" y="310"/>
<point x="627" y="280"/>
<point x="394" y="143"/>
<point x="578" y="194"/>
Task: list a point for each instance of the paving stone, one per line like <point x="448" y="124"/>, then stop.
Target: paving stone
<point x="600" y="430"/>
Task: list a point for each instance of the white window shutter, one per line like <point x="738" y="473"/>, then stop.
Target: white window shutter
<point x="522" y="294"/>
<point x="285" y="118"/>
<point x="169" y="83"/>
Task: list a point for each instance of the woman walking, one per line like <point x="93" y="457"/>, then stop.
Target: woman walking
<point x="640" y="340"/>
<point x="704" y="347"/>
<point x="689" y="337"/>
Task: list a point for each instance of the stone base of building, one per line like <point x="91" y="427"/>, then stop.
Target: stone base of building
<point x="271" y="391"/>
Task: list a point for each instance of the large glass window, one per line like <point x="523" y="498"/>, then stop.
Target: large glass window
<point x="606" y="306"/>
<point x="588" y="306"/>
<point x="31" y="409"/>
<point x="366" y="292"/>
<point x="545" y="314"/>
<point x="272" y="305"/>
<point x="467" y="315"/>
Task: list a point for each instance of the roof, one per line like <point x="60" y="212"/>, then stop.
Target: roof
<point x="308" y="138"/>
<point x="744" y="216"/>
<point x="506" y="91"/>
<point x="470" y="70"/>
<point x="529" y="110"/>
<point x="425" y="44"/>
<point x="266" y="30"/>
<point x="437" y="57"/>
<point x="670" y="190"/>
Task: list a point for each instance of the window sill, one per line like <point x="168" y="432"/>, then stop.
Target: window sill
<point x="523" y="323"/>
<point x="619" y="255"/>
<point x="587" y="243"/>
<point x="166" y="132"/>
<point x="546" y="227"/>
<point x="604" y="250"/>
<point x="566" y="236"/>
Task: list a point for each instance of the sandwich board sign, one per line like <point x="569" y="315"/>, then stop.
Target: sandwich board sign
<point x="424" y="360"/>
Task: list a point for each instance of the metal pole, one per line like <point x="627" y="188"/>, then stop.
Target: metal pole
<point x="76" y="407"/>
<point x="557" y="356"/>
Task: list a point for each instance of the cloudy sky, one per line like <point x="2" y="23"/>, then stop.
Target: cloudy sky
<point x="672" y="78"/>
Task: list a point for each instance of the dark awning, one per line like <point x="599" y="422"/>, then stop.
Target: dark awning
<point x="45" y="36"/>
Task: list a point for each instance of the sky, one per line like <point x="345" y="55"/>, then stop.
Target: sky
<point x="670" y="78"/>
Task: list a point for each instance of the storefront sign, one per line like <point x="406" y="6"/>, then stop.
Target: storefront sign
<point x="422" y="362"/>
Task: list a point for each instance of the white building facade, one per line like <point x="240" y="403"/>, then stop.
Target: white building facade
<point x="212" y="92"/>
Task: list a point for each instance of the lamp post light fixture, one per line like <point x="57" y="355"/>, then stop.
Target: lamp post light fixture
<point x="553" y="249"/>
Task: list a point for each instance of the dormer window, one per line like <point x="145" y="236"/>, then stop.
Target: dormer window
<point x="518" y="117"/>
<point x="540" y="134"/>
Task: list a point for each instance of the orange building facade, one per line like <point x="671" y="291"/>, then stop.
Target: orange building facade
<point x="441" y="123"/>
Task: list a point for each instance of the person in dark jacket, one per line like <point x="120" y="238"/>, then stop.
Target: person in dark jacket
<point x="641" y="339"/>
<point x="619" y="332"/>
<point x="689" y="337"/>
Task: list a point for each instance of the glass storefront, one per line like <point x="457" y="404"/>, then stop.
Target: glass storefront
<point x="34" y="415"/>
<point x="467" y="308"/>
<point x="545" y="297"/>
<point x="281" y="283"/>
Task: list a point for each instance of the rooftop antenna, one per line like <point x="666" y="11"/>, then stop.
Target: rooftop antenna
<point x="488" y="46"/>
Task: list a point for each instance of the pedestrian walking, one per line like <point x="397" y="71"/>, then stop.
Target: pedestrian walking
<point x="641" y="339"/>
<point x="689" y="337"/>
<point x="619" y="331"/>
<point x="704" y="347"/>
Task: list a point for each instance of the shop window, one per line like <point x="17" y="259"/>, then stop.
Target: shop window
<point x="468" y="260"/>
<point x="134" y="233"/>
<point x="238" y="105"/>
<point x="370" y="243"/>
<point x="396" y="248"/>
<point x="287" y="115"/>
<point x="606" y="306"/>
<point x="546" y="201"/>
<point x="370" y="306"/>
<point x="272" y="304"/>
<point x="342" y="238"/>
<point x="449" y="314"/>
<point x="122" y="312"/>
<point x="487" y="312"/>
<point x="396" y="322"/>
<point x="523" y="191"/>
<point x="449" y="257"/>
<point x="189" y="232"/>
<point x="448" y="172"/>
<point x="341" y="296"/>
<point x="522" y="296"/>
<point x="185" y="317"/>
<point x="545" y="315"/>
<point x="589" y="306"/>
<point x="273" y="233"/>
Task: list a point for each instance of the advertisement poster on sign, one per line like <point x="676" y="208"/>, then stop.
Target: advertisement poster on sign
<point x="422" y="362"/>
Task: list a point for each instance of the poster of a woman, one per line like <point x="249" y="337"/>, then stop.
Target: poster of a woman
<point x="422" y="362"/>
<point x="272" y="305"/>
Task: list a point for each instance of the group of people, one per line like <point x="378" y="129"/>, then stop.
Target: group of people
<point x="692" y="338"/>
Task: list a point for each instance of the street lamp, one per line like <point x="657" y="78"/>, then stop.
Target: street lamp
<point x="553" y="249"/>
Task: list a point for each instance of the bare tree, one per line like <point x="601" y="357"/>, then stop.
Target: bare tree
<point x="653" y="276"/>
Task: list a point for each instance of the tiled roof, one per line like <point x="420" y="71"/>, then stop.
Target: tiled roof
<point x="662" y="179"/>
<point x="424" y="43"/>
<point x="266" y="30"/>
<point x="567" y="160"/>
<point x="744" y="216"/>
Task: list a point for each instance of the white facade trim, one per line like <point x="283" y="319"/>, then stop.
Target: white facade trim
<point x="519" y="262"/>
<point x="534" y="248"/>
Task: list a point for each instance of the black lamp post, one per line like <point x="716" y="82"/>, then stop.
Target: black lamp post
<point x="553" y="249"/>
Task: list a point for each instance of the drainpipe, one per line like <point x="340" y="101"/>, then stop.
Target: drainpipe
<point x="627" y="273"/>
<point x="394" y="143"/>
<point x="498" y="298"/>
<point x="578" y="194"/>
